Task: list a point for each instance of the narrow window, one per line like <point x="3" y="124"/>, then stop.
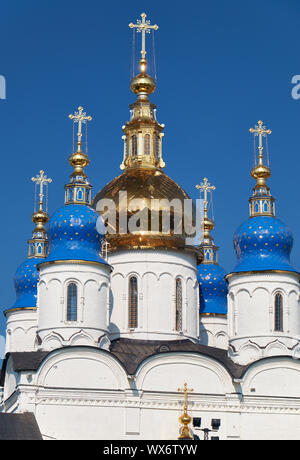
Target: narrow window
<point x="278" y="313"/>
<point x="133" y="303"/>
<point x="134" y="145"/>
<point x="157" y="145"/>
<point x="72" y="302"/>
<point x="178" y="305"/>
<point x="147" y="144"/>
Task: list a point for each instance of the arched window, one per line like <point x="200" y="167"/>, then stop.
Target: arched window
<point x="134" y="145"/>
<point x="178" y="304"/>
<point x="278" y="313"/>
<point x="133" y="303"/>
<point x="147" y="144"/>
<point x="157" y="145"/>
<point x="72" y="302"/>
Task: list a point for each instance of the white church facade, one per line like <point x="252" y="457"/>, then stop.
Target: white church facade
<point x="108" y="328"/>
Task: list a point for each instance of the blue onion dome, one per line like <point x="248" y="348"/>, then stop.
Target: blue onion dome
<point x="211" y="277"/>
<point x="213" y="289"/>
<point x="72" y="230"/>
<point x="73" y="234"/>
<point x="27" y="276"/>
<point x="263" y="242"/>
<point x="25" y="281"/>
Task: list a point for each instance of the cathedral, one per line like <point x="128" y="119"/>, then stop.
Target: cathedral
<point x="126" y="328"/>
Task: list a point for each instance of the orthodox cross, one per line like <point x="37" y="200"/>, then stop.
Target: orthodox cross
<point x="206" y="187"/>
<point x="144" y="27"/>
<point x="261" y="132"/>
<point x="185" y="390"/>
<point x="41" y="180"/>
<point x="81" y="118"/>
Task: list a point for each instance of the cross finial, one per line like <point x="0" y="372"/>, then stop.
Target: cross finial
<point x="185" y="418"/>
<point x="260" y="131"/>
<point x="206" y="187"/>
<point x="144" y="27"/>
<point x="81" y="118"/>
<point x="185" y="390"/>
<point x="41" y="180"/>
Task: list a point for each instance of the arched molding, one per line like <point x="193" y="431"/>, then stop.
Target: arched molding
<point x="156" y="275"/>
<point x="79" y="336"/>
<point x="276" y="345"/>
<point x="133" y="273"/>
<point x="71" y="280"/>
<point x="242" y="290"/>
<point x="221" y="334"/>
<point x="18" y="328"/>
<point x="184" y="358"/>
<point x="279" y="290"/>
<point x="260" y="288"/>
<point x="250" y="351"/>
<point x="103" y="284"/>
<point x="96" y="355"/>
<point x="90" y="280"/>
<point x="265" y="365"/>
<point x="52" y="280"/>
<point x="115" y="274"/>
<point x="170" y="275"/>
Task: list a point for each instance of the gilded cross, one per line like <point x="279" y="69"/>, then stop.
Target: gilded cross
<point x="81" y="118"/>
<point x="41" y="180"/>
<point x="185" y="390"/>
<point x="144" y="27"/>
<point x="206" y="187"/>
<point x="261" y="132"/>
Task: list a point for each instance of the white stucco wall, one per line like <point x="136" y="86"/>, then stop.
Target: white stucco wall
<point x="93" y="304"/>
<point x="21" y="327"/>
<point x="214" y="331"/>
<point x="251" y="318"/>
<point x="84" y="393"/>
<point x="156" y="272"/>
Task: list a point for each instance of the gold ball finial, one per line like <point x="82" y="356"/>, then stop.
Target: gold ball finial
<point x="79" y="161"/>
<point x="143" y="85"/>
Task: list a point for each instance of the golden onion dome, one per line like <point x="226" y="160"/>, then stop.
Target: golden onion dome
<point x="147" y="208"/>
<point x="144" y="186"/>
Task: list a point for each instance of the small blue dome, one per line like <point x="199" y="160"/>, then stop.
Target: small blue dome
<point x="25" y="281"/>
<point x="213" y="289"/>
<point x="73" y="234"/>
<point x="263" y="243"/>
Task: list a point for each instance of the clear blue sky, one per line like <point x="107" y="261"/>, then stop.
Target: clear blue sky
<point x="222" y="66"/>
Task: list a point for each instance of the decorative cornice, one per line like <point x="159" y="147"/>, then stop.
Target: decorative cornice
<point x="259" y="272"/>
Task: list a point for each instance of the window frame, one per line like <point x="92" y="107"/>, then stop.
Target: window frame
<point x="70" y="319"/>
<point x="178" y="307"/>
<point x="278" y="312"/>
<point x="133" y="303"/>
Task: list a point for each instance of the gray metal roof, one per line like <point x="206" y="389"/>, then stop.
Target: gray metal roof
<point x="131" y="353"/>
<point x="19" y="427"/>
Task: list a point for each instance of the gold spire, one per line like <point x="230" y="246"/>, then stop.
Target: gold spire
<point x="185" y="419"/>
<point x="143" y="134"/>
<point x="260" y="172"/>
<point x="261" y="202"/>
<point x="78" y="191"/>
<point x="38" y="245"/>
<point x="207" y="224"/>
<point x="79" y="160"/>
<point x="143" y="84"/>
<point x="207" y="247"/>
